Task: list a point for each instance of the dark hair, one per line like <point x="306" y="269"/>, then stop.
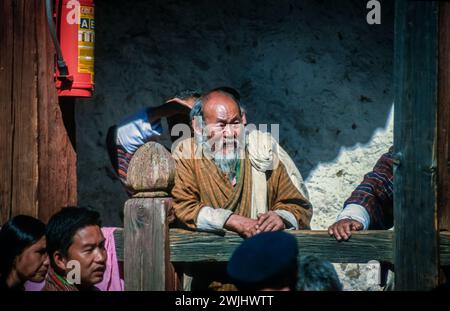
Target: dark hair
<point x="16" y="235"/>
<point x="63" y="226"/>
<point x="317" y="275"/>
<point x="181" y="118"/>
<point x="185" y="94"/>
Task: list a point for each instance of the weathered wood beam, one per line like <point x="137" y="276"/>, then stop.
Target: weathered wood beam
<point x="416" y="255"/>
<point x="187" y="246"/>
<point x="443" y="153"/>
<point x="444" y="248"/>
<point x="57" y="155"/>
<point x="146" y="243"/>
<point x="6" y="107"/>
<point x="311" y="242"/>
<point x="25" y="111"/>
<point x="37" y="157"/>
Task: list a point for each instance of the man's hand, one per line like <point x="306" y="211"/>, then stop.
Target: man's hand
<point x="269" y="221"/>
<point x="170" y="108"/>
<point x="342" y="229"/>
<point x="244" y="226"/>
<point x="187" y="102"/>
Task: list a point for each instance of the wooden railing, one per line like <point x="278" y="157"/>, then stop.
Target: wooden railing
<point x="199" y="247"/>
<point x="150" y="249"/>
<point x="363" y="246"/>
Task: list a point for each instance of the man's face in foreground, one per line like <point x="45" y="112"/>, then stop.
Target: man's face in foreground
<point x="223" y="124"/>
<point x="88" y="248"/>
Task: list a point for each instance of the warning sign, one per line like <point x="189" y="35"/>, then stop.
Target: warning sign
<point x="86" y="39"/>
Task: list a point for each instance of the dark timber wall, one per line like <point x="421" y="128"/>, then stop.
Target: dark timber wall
<point x="37" y="156"/>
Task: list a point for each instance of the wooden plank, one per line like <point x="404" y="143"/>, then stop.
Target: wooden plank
<point x="415" y="76"/>
<point x="145" y="235"/>
<point x="320" y="244"/>
<point x="443" y="144"/>
<point x="25" y="150"/>
<point x="188" y="246"/>
<point x="444" y="248"/>
<point x="6" y="111"/>
<point x="57" y="156"/>
<point x="46" y="98"/>
<point x="38" y="159"/>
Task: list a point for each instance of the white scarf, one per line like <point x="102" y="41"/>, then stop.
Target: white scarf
<point x="265" y="154"/>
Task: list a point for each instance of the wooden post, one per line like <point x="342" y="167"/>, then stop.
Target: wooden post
<point x="25" y="143"/>
<point x="147" y="215"/>
<point x="415" y="75"/>
<point x="37" y="158"/>
<point x="56" y="142"/>
<point x="6" y="108"/>
<point x="146" y="240"/>
<point x="444" y="118"/>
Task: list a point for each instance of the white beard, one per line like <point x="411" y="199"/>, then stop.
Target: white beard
<point x="228" y="163"/>
<point x="225" y="162"/>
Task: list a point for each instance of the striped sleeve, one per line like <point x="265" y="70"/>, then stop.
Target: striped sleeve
<point x="375" y="193"/>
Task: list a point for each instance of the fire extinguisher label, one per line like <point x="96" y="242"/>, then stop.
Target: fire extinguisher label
<point x="86" y="38"/>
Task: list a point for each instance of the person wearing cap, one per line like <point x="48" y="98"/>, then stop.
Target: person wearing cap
<point x="124" y="139"/>
<point x="267" y="261"/>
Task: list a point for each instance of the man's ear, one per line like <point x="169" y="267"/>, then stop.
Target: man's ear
<point x="244" y="118"/>
<point x="195" y="126"/>
<point x="60" y="260"/>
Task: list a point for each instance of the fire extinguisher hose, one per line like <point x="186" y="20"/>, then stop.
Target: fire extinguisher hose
<point x="62" y="66"/>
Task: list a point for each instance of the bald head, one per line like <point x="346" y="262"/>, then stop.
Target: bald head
<point x="219" y="122"/>
<point x="219" y="107"/>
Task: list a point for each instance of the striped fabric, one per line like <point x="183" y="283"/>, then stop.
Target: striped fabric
<point x="375" y="193"/>
<point x="119" y="157"/>
<point x="56" y="283"/>
<point x="123" y="161"/>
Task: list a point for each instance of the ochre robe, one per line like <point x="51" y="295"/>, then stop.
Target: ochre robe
<point x="199" y="183"/>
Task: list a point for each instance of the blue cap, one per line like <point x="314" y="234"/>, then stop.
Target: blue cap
<point x="263" y="257"/>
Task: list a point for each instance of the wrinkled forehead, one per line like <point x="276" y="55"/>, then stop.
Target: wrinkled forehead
<point x="220" y="106"/>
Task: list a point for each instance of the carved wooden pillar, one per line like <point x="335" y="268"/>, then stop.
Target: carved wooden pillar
<point x="146" y="223"/>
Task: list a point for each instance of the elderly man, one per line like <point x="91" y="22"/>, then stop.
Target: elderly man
<point x="222" y="178"/>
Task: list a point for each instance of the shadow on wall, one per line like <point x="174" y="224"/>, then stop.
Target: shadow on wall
<point x="314" y="67"/>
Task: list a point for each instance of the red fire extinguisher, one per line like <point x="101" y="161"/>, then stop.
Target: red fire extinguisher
<point x="74" y="43"/>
